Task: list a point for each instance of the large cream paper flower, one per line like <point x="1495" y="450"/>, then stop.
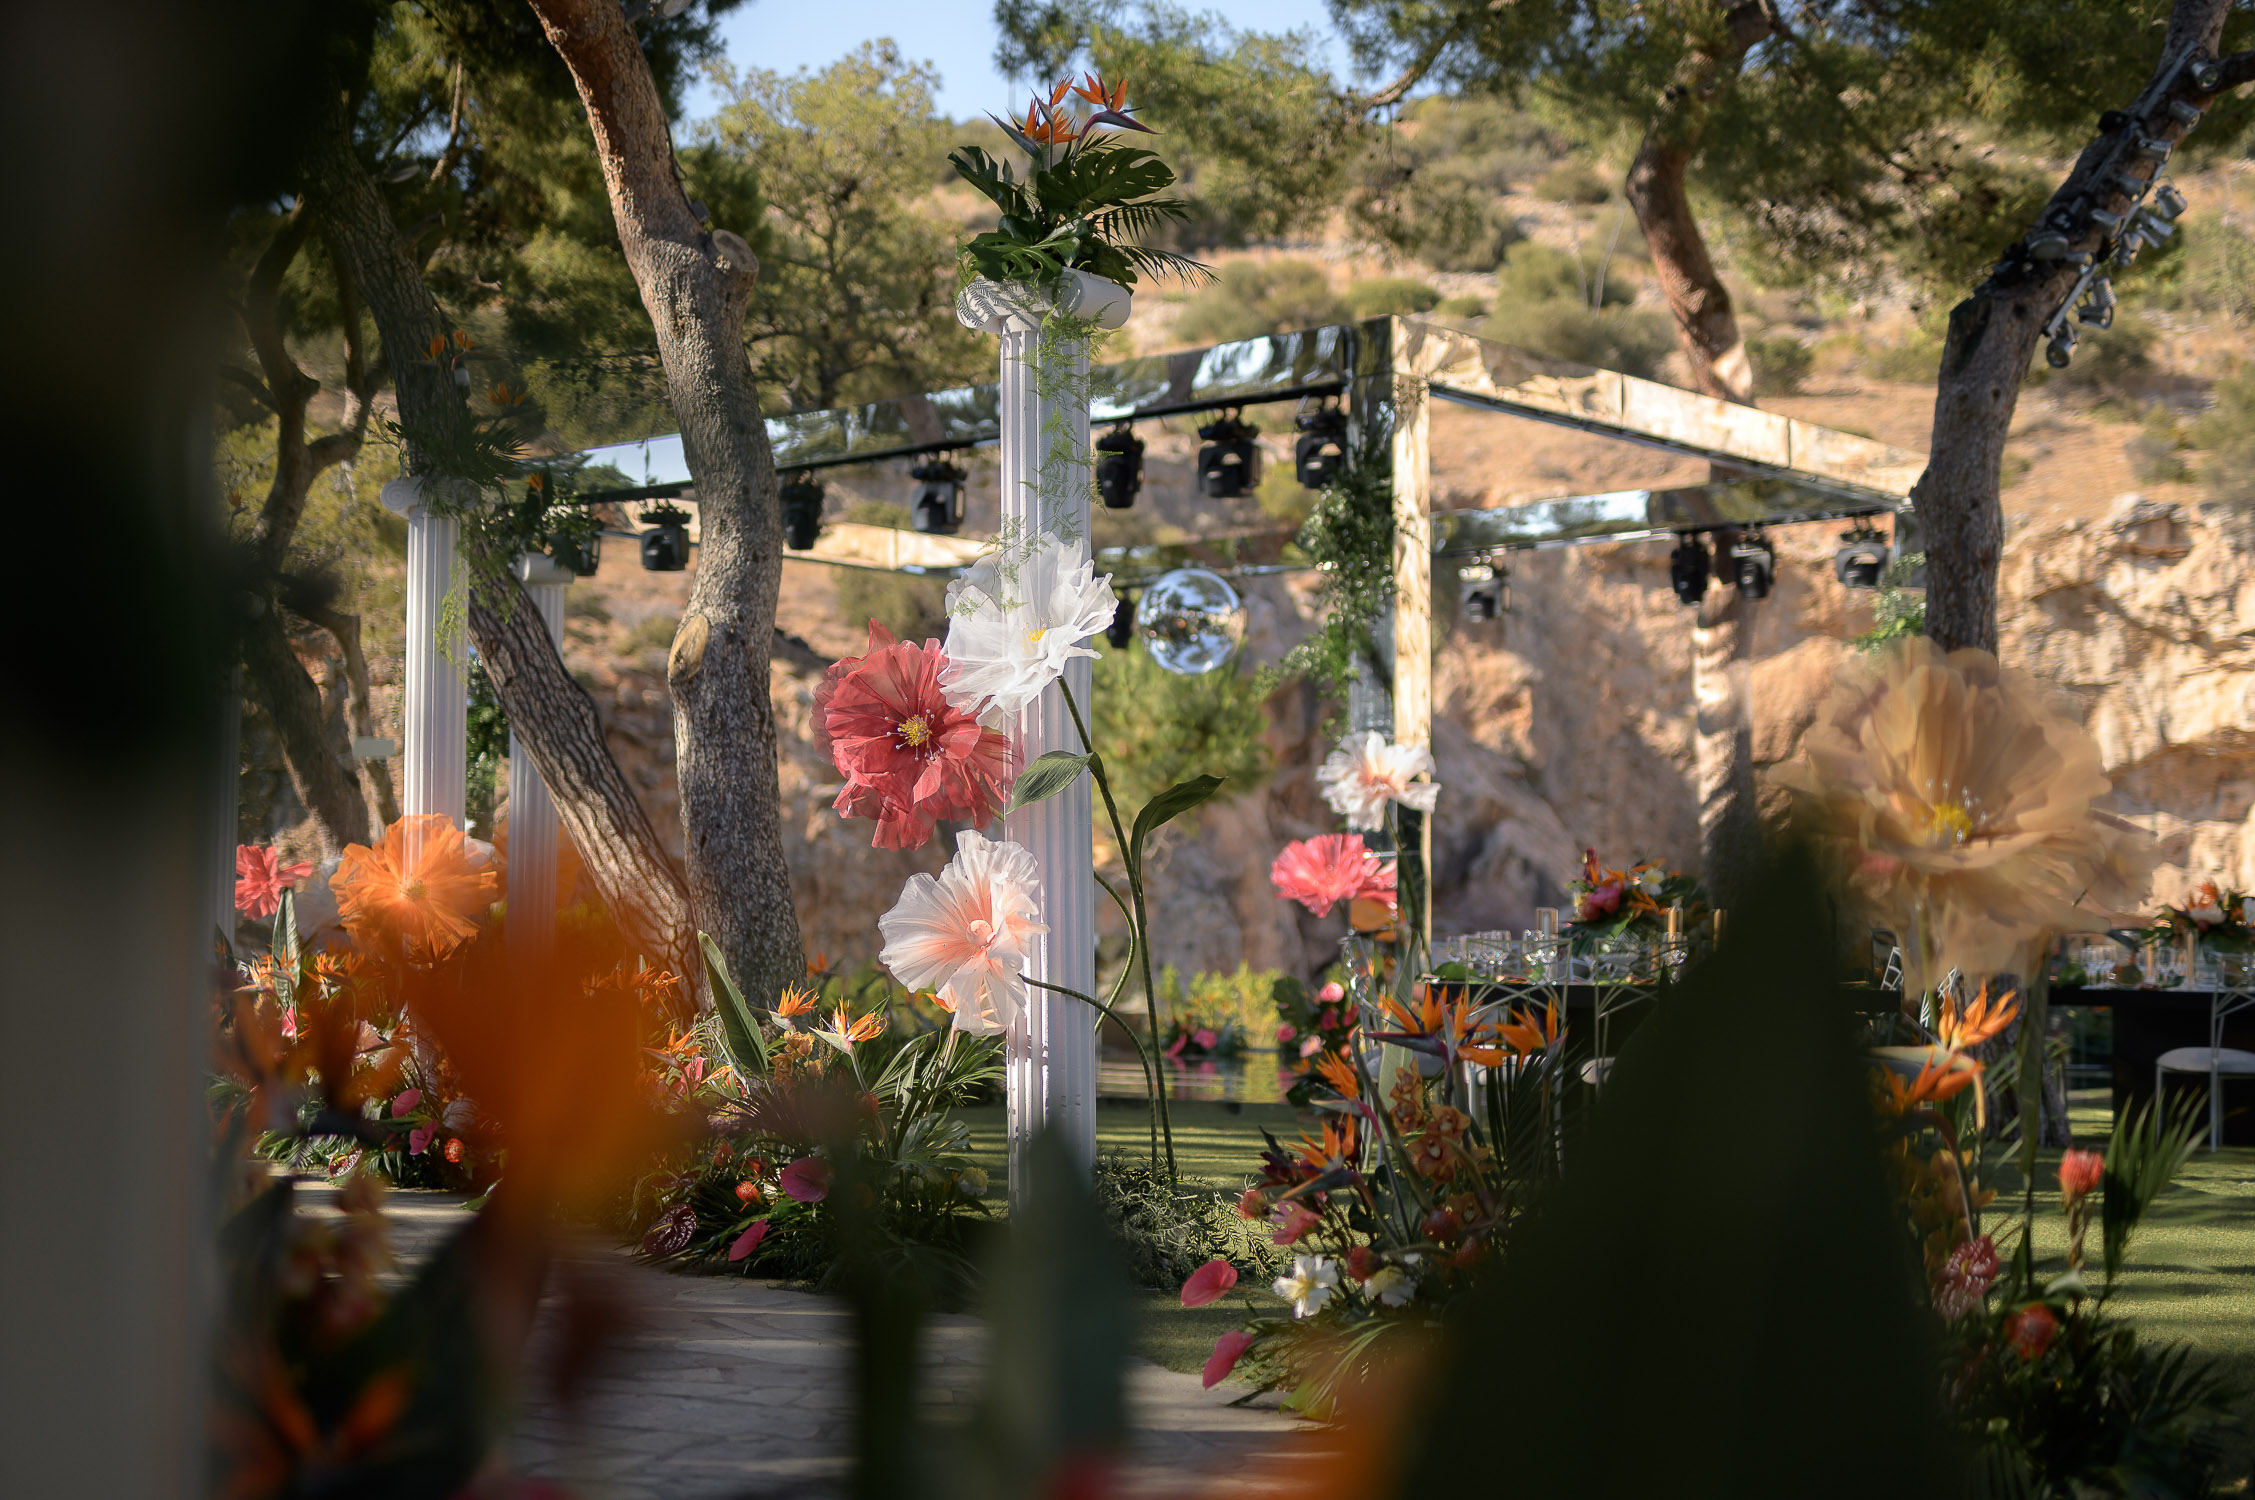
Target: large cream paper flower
<point x="1015" y="619"/>
<point x="1965" y="803"/>
<point x="1365" y="773"/>
<point x="964" y="934"/>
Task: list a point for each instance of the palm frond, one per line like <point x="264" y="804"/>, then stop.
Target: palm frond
<point x="1164" y="263"/>
<point x="2148" y="1149"/>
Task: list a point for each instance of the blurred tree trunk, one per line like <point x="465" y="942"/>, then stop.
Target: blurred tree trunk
<point x="551" y="714"/>
<point x="696" y="285"/>
<point x="1993" y="336"/>
<point x="1730" y="831"/>
<point x="1706" y="323"/>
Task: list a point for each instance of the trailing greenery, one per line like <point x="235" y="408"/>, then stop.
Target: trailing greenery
<point x="1167" y="1230"/>
<point x="488" y="747"/>
<point x="1349" y="538"/>
<point x="1899" y="611"/>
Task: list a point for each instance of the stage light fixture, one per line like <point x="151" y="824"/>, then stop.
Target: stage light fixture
<point x="2047" y="244"/>
<point x="583" y="557"/>
<point x="2108" y="221"/>
<point x="801" y="503"/>
<point x="2153" y="147"/>
<point x="1753" y="566"/>
<point x="2060" y="352"/>
<point x="1862" y="559"/>
<point x="1230" y="462"/>
<point x="2167" y="203"/>
<point x="665" y="546"/>
<point x="1485" y="589"/>
<point x="1320" y="451"/>
<point x="1688" y="567"/>
<point x="2097" y="310"/>
<point x="1122" y="629"/>
<point x="939" y="497"/>
<point x="1119" y="467"/>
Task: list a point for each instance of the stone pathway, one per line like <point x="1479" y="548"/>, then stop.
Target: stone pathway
<point x="724" y="1388"/>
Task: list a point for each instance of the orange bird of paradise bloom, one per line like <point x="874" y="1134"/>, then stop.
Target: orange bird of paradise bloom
<point x="851" y="1028"/>
<point x="794" y="1001"/>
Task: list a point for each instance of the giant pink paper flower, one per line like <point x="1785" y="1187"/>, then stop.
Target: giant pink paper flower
<point x="909" y="758"/>
<point x="966" y="933"/>
<point x="260" y="880"/>
<point x="1321" y="872"/>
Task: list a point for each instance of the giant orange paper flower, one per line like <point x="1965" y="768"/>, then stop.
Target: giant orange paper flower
<point x="1965" y="804"/>
<point x="419" y="888"/>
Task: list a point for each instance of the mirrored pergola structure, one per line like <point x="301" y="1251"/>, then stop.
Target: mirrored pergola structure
<point x="1386" y="373"/>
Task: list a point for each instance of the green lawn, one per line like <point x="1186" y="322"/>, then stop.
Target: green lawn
<point x="2191" y="1272"/>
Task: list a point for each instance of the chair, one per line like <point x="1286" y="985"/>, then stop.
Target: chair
<point x="2216" y="1060"/>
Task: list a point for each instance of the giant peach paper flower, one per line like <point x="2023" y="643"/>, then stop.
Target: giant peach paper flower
<point x="1365" y="773"/>
<point x="909" y="757"/>
<point x="1015" y="619"/>
<point x="965" y="933"/>
<point x="1965" y="803"/>
<point x="419" y="886"/>
<point x="1321" y="872"/>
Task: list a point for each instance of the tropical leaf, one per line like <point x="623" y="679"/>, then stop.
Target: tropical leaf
<point x="1047" y="776"/>
<point x="1092" y="180"/>
<point x="990" y="177"/>
<point x="1163" y="809"/>
<point x="740" y="1032"/>
<point x="2147" y="1149"/>
<point x="1163" y="263"/>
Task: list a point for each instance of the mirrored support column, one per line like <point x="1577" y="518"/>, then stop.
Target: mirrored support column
<point x="533" y="830"/>
<point x="1049" y="1064"/>
<point x="437" y="701"/>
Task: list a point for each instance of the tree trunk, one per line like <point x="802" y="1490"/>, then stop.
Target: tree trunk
<point x="324" y="780"/>
<point x="551" y="714"/>
<point x="696" y="285"/>
<point x="1993" y="335"/>
<point x="346" y="629"/>
<point x="1706" y="324"/>
<point x="1730" y="830"/>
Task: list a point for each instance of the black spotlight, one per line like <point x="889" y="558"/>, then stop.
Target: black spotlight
<point x="2060" y="352"/>
<point x="939" y="496"/>
<point x="583" y="557"/>
<point x="1122" y="629"/>
<point x="1484" y="590"/>
<point x="1321" y="449"/>
<point x="1119" y="467"/>
<point x="1862" y="559"/>
<point x="1687" y="570"/>
<point x="1753" y="565"/>
<point x="801" y="502"/>
<point x="665" y="546"/>
<point x="1230" y="463"/>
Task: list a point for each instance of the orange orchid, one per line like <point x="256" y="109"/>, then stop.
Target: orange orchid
<point x="419" y="887"/>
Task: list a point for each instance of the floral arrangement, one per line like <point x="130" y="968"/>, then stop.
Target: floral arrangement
<point x="2213" y="914"/>
<point x="796" y="1101"/>
<point x="1393" y="1206"/>
<point x="1219" y="1015"/>
<point x="1631" y="903"/>
<point x="1084" y="194"/>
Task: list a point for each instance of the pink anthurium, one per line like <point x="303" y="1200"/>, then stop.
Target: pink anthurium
<point x="808" y="1179"/>
<point x="1208" y="1282"/>
<point x="1228" y="1350"/>
<point x="404" y="1103"/>
<point x="749" y="1240"/>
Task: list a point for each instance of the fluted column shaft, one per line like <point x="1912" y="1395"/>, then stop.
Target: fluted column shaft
<point x="533" y="826"/>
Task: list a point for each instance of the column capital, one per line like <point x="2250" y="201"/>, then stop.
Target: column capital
<point x="402" y="497"/>
<point x="1002" y="306"/>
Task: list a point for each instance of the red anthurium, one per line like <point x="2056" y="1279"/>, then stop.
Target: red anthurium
<point x="807" y="1179"/>
<point x="406" y="1101"/>
<point x="1208" y="1283"/>
<point x="749" y="1240"/>
<point x="1228" y="1350"/>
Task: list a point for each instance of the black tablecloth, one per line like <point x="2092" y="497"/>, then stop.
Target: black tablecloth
<point x="2148" y="1023"/>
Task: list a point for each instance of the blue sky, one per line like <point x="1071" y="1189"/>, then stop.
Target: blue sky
<point x="955" y="36"/>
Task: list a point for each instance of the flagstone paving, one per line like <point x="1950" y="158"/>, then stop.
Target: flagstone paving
<point x="724" y="1387"/>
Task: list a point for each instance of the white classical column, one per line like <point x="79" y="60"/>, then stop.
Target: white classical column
<point x="1050" y="1056"/>
<point x="532" y="810"/>
<point x="437" y="707"/>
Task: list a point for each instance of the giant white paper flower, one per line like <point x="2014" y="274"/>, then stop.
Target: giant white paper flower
<point x="1365" y="773"/>
<point x="964" y="934"/>
<point x="1016" y="618"/>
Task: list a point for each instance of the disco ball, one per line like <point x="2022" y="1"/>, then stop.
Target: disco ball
<point x="1190" y="621"/>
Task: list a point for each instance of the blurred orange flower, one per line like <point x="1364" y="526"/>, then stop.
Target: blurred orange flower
<point x="419" y="888"/>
